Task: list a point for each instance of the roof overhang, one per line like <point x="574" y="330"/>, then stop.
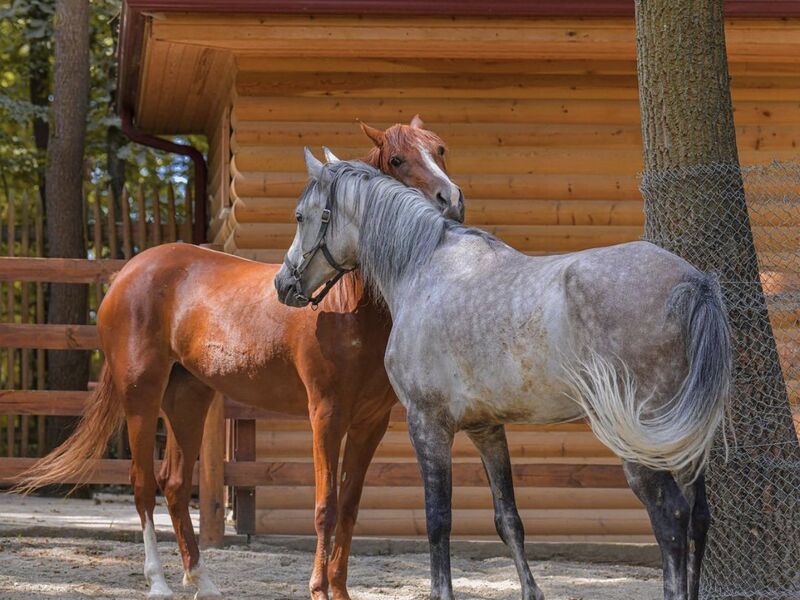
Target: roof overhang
<point x="139" y="17"/>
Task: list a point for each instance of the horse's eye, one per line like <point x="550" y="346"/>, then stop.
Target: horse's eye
<point x="395" y="161"/>
<point x="441" y="150"/>
<point x="299" y="217"/>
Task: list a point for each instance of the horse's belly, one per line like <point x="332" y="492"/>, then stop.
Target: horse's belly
<point x="538" y="399"/>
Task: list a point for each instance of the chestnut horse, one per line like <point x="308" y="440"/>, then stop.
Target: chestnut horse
<point x="180" y="322"/>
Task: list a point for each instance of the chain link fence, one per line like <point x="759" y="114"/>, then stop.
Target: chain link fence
<point x="744" y="225"/>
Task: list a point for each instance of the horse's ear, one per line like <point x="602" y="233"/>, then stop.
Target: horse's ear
<point x="417" y="123"/>
<point x="313" y="165"/>
<point x="330" y="157"/>
<point x="376" y="135"/>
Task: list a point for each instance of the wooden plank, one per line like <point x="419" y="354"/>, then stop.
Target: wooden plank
<point x="480" y="211"/>
<point x="526" y="238"/>
<point x="127" y="235"/>
<point x="404" y="474"/>
<point x="51" y="337"/>
<point x="396" y="445"/>
<point x="489" y="160"/>
<point x="111" y="225"/>
<point x="453" y="37"/>
<point x="156" y="226"/>
<point x="11" y="225"/>
<point x="478" y="497"/>
<point x="345" y="134"/>
<point x="457" y="135"/>
<point x="141" y="220"/>
<point x="212" y="476"/>
<point x="98" y="242"/>
<point x="40" y="353"/>
<point x="25" y="363"/>
<point x="268" y="418"/>
<point x="244" y="449"/>
<point x="577" y="68"/>
<point x="58" y="270"/>
<point x="107" y="471"/>
<point x="482" y="110"/>
<point x="554" y="187"/>
<point x="468" y="522"/>
<point x="172" y="231"/>
<point x="43" y="402"/>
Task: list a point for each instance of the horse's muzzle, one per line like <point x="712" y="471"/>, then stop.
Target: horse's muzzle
<point x="455" y="210"/>
<point x="288" y="293"/>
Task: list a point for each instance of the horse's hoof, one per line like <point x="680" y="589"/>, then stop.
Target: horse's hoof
<point x="160" y="595"/>
<point x="340" y="595"/>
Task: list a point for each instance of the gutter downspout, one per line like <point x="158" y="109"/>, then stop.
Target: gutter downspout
<point x="200" y="169"/>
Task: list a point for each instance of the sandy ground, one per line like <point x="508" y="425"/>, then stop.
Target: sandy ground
<point x="62" y="564"/>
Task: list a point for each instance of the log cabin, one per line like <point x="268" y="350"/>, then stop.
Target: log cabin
<point x="538" y="103"/>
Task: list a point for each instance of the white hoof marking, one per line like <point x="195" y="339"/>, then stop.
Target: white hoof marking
<point x="206" y="590"/>
<point x="153" y="571"/>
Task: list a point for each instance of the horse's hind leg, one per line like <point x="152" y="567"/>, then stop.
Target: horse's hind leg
<point x="492" y="445"/>
<point x="186" y="403"/>
<point x="699" y="523"/>
<point x="142" y="391"/>
<point x="362" y="440"/>
<point x="669" y="516"/>
<point x="432" y="438"/>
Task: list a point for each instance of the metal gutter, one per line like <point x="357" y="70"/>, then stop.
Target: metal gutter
<point x="129" y="58"/>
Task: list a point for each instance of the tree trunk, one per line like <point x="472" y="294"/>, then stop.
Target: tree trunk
<point x="39" y="91"/>
<point x="67" y="370"/>
<point x="695" y="206"/>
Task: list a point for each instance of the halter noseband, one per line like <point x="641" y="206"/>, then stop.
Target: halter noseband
<point x="308" y="256"/>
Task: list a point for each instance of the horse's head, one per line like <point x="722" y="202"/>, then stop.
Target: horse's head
<point x="312" y="258"/>
<point x="416" y="156"/>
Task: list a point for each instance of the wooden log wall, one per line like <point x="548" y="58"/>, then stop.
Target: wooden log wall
<point x="547" y="152"/>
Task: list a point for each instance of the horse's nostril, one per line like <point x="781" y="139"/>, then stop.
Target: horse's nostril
<point x="440" y="197"/>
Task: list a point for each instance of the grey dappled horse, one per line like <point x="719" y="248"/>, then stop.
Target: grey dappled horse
<point x="631" y="336"/>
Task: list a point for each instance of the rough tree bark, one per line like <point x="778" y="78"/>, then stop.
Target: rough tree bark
<point x="67" y="370"/>
<point x="39" y="90"/>
<point x="695" y="206"/>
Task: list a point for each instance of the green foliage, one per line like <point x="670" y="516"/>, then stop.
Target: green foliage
<point x="26" y="27"/>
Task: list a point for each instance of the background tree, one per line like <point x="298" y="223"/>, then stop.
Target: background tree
<point x="64" y="174"/>
<point x="695" y="206"/>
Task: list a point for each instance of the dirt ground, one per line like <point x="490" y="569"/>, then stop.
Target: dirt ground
<point x="71" y="561"/>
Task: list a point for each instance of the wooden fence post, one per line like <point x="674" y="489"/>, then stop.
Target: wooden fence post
<point x="244" y="450"/>
<point x="212" y="476"/>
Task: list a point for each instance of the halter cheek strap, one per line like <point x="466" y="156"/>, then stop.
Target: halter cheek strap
<point x="319" y="246"/>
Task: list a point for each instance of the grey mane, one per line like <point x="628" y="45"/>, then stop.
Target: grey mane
<point x="399" y="228"/>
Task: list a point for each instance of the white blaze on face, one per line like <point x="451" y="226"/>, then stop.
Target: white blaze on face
<point x="434" y="168"/>
<point x="153" y="571"/>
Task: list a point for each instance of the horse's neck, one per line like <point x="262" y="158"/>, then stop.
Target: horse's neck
<point x="351" y="294"/>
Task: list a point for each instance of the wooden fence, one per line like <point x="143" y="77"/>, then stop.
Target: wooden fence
<point x="114" y="232"/>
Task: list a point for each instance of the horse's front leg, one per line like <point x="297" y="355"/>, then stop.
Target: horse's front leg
<point x="432" y="437"/>
<point x="328" y="432"/>
<point x="362" y="441"/>
<point x="491" y="443"/>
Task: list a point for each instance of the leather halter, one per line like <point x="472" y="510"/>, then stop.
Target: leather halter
<point x="319" y="246"/>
